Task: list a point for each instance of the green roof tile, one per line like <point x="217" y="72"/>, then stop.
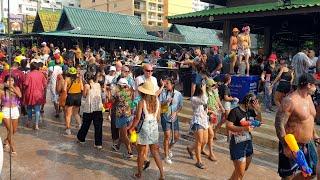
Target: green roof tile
<point x="295" y="4"/>
<point x="97" y="23"/>
<point x="197" y="35"/>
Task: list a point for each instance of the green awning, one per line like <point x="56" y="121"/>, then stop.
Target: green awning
<point x="264" y="7"/>
<point x="197" y="35"/>
<point x="69" y="34"/>
<point x="84" y="22"/>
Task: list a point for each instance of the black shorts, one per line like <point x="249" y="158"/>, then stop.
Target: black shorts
<point x="74" y="99"/>
<point x="284" y="87"/>
<point x="240" y="150"/>
<point x="287" y="167"/>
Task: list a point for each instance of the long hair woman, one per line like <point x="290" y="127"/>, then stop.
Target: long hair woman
<point x="241" y="148"/>
<point x="73" y="86"/>
<point x="285" y="78"/>
<point x="148" y="134"/>
<point x="199" y="123"/>
<point x="10" y="100"/>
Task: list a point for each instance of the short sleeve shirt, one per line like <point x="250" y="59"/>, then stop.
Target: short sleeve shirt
<point x="236" y="115"/>
<point x="177" y="101"/>
<point x="224" y="90"/>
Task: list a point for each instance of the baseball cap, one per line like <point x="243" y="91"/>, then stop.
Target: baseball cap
<point x="72" y="70"/>
<point x="211" y="82"/>
<point x="272" y="57"/>
<point x="112" y="68"/>
<point x="123" y="82"/>
<point x="307" y="78"/>
<point x="43" y="43"/>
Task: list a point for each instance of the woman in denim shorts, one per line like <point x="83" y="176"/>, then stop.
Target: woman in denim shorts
<point x="241" y="148"/>
<point x="199" y="123"/>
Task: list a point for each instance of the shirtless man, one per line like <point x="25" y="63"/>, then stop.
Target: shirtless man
<point x="296" y="116"/>
<point x="233" y="48"/>
<point x="244" y="44"/>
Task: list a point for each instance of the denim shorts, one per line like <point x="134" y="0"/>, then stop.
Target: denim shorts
<point x="122" y="122"/>
<point x="196" y="78"/>
<point x="168" y="125"/>
<point x="196" y="127"/>
<point x="240" y="150"/>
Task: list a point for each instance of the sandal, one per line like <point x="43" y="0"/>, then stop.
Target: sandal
<point x="190" y="153"/>
<point x="14" y="153"/>
<point x="200" y="165"/>
<point x="146" y="165"/>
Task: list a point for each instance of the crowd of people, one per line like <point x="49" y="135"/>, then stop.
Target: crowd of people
<point x="84" y="85"/>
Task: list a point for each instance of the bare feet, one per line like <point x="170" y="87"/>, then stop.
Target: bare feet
<point x="212" y="158"/>
<point x="205" y="153"/>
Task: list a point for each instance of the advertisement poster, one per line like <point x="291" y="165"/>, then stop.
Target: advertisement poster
<point x="16" y="22"/>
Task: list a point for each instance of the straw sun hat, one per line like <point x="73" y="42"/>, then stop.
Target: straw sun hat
<point x="147" y="88"/>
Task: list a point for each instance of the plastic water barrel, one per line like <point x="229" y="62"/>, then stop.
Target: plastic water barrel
<point x="242" y="85"/>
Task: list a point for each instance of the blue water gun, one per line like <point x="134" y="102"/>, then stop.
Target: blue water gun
<point x="300" y="158"/>
<point x="252" y="122"/>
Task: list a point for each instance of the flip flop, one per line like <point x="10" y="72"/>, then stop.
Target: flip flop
<point x="146" y="165"/>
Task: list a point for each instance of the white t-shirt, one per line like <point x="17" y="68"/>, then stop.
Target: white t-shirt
<point x="141" y="79"/>
<point x="54" y="71"/>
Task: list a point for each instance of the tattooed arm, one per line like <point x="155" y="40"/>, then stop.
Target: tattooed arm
<point x="282" y="118"/>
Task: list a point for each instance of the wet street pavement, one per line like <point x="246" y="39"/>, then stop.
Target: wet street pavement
<point x="48" y="154"/>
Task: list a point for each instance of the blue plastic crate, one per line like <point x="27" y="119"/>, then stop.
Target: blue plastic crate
<point x="242" y="85"/>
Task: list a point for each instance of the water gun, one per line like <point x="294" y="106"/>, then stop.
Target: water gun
<point x="300" y="158"/>
<point x="252" y="122"/>
<point x="133" y="137"/>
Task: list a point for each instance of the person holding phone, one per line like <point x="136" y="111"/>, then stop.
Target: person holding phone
<point x="241" y="148"/>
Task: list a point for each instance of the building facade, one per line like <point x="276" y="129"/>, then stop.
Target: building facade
<point x="23" y="12"/>
<point x="30" y="7"/>
<point x="150" y="12"/>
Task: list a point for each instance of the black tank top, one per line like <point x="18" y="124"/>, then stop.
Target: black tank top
<point x="286" y="76"/>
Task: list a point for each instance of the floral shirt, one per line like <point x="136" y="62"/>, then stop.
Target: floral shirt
<point x="213" y="100"/>
<point x="123" y="99"/>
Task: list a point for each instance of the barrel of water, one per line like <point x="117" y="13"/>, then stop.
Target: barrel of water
<point x="242" y="85"/>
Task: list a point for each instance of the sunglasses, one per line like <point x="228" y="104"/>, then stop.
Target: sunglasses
<point x="148" y="70"/>
<point x="127" y="71"/>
